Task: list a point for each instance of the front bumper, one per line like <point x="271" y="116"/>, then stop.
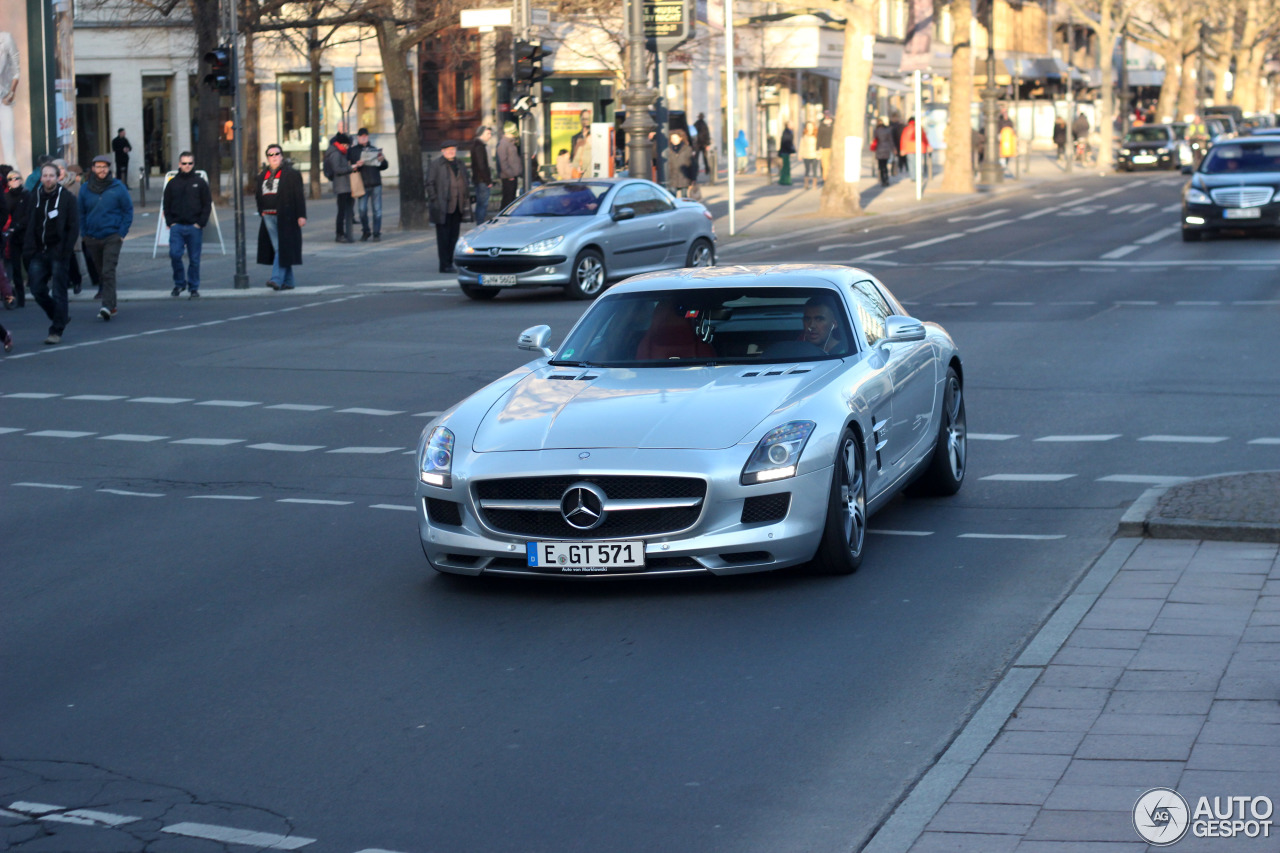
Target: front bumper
<point x="1149" y="160"/>
<point x="1212" y="217"/>
<point x="529" y="270"/>
<point x="718" y="542"/>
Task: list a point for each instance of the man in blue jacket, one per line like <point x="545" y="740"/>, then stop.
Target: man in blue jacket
<point x="106" y="212"/>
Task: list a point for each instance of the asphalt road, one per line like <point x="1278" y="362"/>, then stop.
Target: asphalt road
<point x="217" y="617"/>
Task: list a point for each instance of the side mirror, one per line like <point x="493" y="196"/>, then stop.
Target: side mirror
<point x="621" y="213"/>
<point x="899" y="329"/>
<point x="535" y="339"/>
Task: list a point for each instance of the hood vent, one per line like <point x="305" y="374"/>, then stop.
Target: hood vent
<point x="792" y="370"/>
<point x="574" y="377"/>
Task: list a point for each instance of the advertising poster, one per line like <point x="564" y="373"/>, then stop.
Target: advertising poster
<point x="15" y="103"/>
<point x="570" y="129"/>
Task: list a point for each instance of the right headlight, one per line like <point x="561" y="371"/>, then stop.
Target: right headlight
<point x="435" y="460"/>
<point x="1195" y="196"/>
<point x="777" y="453"/>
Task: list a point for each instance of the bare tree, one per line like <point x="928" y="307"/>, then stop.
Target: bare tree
<point x="1107" y="19"/>
<point x="957" y="176"/>
<point x="840" y="194"/>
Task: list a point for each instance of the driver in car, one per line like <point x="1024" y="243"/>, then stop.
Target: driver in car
<point x="821" y="326"/>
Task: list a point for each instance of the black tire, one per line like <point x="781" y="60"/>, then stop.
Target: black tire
<point x="588" y="277"/>
<point x="845" y="536"/>
<point x="945" y="473"/>
<point x="1189" y="236"/>
<point x="701" y="254"/>
<point x="478" y="293"/>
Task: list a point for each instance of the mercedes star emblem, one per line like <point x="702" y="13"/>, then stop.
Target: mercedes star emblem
<point x="582" y="506"/>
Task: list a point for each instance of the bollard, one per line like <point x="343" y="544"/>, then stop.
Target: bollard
<point x="142" y="186"/>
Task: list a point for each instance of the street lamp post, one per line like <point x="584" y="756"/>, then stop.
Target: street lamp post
<point x="991" y="172"/>
<point x="241" y="278"/>
<point x="638" y="97"/>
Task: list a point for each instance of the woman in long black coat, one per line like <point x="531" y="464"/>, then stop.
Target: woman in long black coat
<point x="280" y="186"/>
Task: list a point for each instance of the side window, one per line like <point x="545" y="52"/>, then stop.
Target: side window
<point x="631" y="196"/>
<point x="654" y="202"/>
<point x="872" y="310"/>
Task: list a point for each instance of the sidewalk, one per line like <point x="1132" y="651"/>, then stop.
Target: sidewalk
<point x="764" y="211"/>
<point x="1161" y="670"/>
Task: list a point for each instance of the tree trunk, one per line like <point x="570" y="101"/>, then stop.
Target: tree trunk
<point x="957" y="173"/>
<point x="1106" y="30"/>
<point x="1187" y="84"/>
<point x="1247" y="66"/>
<point x="204" y="17"/>
<point x="1171" y="52"/>
<point x="840" y="191"/>
<point x="314" y="52"/>
<point x="404" y="111"/>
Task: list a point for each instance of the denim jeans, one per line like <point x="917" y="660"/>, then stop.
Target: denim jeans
<point x="47" y="279"/>
<point x="482" y="202"/>
<point x="189" y="239"/>
<point x="281" y="275"/>
<point x="372" y="197"/>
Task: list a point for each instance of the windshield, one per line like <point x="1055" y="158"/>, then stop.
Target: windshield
<point x="1245" y="157"/>
<point x="722" y="326"/>
<point x="1147" y="134"/>
<point x="569" y="199"/>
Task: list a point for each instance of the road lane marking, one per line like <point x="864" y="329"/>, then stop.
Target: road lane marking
<point x="900" y="532"/>
<point x="364" y="450"/>
<point x="986" y="215"/>
<point x="999" y="224"/>
<point x="1157" y="236"/>
<point x="1136" y="302"/>
<point x="61" y="433"/>
<point x="935" y="240"/>
<point x="955" y="304"/>
<point x="379" y="412"/>
<point x="99" y="398"/>
<point x="1142" y="207"/>
<point x="129" y="494"/>
<point x="874" y="255"/>
<point x="427" y="414"/>
<point x="124" y="436"/>
<point x="299" y="407"/>
<point x="1185" y="439"/>
<point x="4" y="430"/>
<point x="1265" y="441"/>
<point x="393" y="506"/>
<point x="163" y="401"/>
<point x="285" y="448"/>
<point x="990" y="436"/>
<point x="30" y="395"/>
<point x="211" y="442"/>
<point x="47" y="486"/>
<point x="1028" y="478"/>
<point x="1038" y="213"/>
<point x="1013" y="304"/>
<point x="1198" y="303"/>
<point x="1104" y="437"/>
<point x="313" y="502"/>
<point x="223" y="497"/>
<point x="230" y="835"/>
<point x="90" y="817"/>
<point x="831" y="246"/>
<point x="1142" y="479"/>
<point x="1119" y="253"/>
<point x="1027" y="536"/>
<point x="231" y="404"/>
<point x="1072" y="191"/>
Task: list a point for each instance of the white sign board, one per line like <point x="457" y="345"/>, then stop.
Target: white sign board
<point x="485" y="18"/>
<point x="162" y="227"/>
<point x="344" y="79"/>
<point x="852" y="159"/>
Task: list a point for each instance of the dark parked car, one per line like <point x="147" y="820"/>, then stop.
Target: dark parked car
<point x="1236" y="187"/>
<point x="1152" y="146"/>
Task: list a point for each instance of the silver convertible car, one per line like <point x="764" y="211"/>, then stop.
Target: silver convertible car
<point x="580" y="235"/>
<point x="716" y="420"/>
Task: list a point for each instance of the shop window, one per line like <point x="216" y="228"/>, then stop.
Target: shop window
<point x="430" y="87"/>
<point x="464" y="91"/>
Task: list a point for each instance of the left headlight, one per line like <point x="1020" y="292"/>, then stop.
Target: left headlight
<point x="777" y="453"/>
<point x="435" y="462"/>
<point x="463" y="246"/>
<point x="1195" y="196"/>
<point x="541" y="247"/>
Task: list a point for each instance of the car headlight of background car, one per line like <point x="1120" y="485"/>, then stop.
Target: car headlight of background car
<point x="463" y="246"/>
<point x="1195" y="196"/>
<point x="776" y="454"/>
<point x="541" y="247"/>
<point x="435" y="461"/>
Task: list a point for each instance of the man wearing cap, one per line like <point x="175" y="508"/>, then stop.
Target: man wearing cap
<point x="106" y="212"/>
<point x="509" y="166"/>
<point x="448" y="200"/>
<point x="369" y="160"/>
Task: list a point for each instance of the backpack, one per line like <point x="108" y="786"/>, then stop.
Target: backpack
<point x="328" y="168"/>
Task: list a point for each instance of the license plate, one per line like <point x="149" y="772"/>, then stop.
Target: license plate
<point x="498" y="280"/>
<point x="1144" y="158"/>
<point x="585" y="557"/>
<point x="1242" y="213"/>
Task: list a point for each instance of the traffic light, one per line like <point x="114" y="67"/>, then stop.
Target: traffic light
<point x="528" y="61"/>
<point x="221" y="77"/>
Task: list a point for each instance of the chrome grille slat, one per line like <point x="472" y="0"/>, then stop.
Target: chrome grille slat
<point x="634" y="505"/>
<point x="1241" y="196"/>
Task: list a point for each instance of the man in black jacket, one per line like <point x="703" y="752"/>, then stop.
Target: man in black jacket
<point x="120" y="145"/>
<point x="481" y="173"/>
<point x="369" y="160"/>
<point x="187" y="205"/>
<point x="448" y="200"/>
<point x="52" y="230"/>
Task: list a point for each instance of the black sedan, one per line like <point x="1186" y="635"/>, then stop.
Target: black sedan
<point x="1151" y="146"/>
<point x="1236" y="187"/>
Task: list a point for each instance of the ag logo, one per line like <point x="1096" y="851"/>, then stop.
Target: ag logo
<point x="1161" y="816"/>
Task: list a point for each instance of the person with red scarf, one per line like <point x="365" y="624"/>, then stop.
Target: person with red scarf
<point x="282" y="204"/>
<point x="338" y="168"/>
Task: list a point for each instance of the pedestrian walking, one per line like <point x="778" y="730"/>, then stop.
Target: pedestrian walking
<point x="121" y="147"/>
<point x="187" y="204"/>
<point x="448" y="202"/>
<point x="809" y="154"/>
<point x="741" y="151"/>
<point x="371" y="163"/>
<point x="482" y="174"/>
<point x="682" y="167"/>
<point x="702" y="142"/>
<point x="978" y="142"/>
<point x="338" y="169"/>
<point x="786" y="147"/>
<point x="13" y="218"/>
<point x="896" y="125"/>
<point x="907" y="147"/>
<point x="1060" y="137"/>
<point x="885" y="148"/>
<point x="282" y="204"/>
<point x="660" y="146"/>
<point x="70" y="179"/>
<point x="1080" y="133"/>
<point x="826" y="128"/>
<point x="106" y="212"/>
<point x="50" y="239"/>
<point x="509" y="168"/>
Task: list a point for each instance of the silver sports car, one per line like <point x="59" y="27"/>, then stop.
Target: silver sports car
<point x="580" y="235"/>
<point x="722" y="420"/>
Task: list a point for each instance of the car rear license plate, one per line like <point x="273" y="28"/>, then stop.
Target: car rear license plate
<point x="586" y="557"/>
<point x="498" y="280"/>
<point x="1242" y="213"/>
<point x="1144" y="158"/>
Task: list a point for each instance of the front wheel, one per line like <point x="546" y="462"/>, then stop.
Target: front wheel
<point x="587" y="279"/>
<point x="701" y="254"/>
<point x="845" y="534"/>
<point x="475" y="291"/>
<point x="946" y="468"/>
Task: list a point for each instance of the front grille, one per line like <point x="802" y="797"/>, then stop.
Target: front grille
<point x="652" y="564"/>
<point x="765" y="508"/>
<point x="618" y="524"/>
<point x="444" y="512"/>
<point x="1241" y="196"/>
<point x="505" y="265"/>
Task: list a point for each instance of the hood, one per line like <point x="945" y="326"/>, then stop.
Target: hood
<point x="1206" y="181"/>
<point x="705" y="408"/>
<point x="513" y="232"/>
